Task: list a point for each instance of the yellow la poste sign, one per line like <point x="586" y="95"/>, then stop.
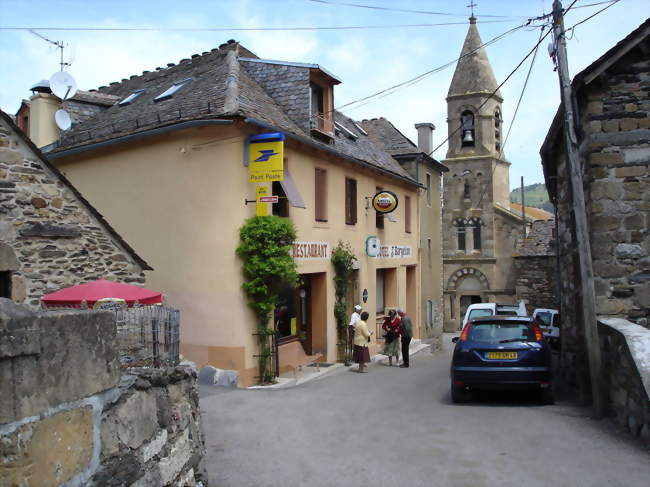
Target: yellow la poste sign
<point x="266" y="161"/>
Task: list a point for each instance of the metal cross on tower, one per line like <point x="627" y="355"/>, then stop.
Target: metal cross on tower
<point x="471" y="6"/>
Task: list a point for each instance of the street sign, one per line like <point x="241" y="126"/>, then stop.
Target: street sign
<point x="261" y="192"/>
<point x="269" y="199"/>
<point x="266" y="157"/>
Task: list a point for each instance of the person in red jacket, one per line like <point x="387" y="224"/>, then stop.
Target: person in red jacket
<point x="392" y="327"/>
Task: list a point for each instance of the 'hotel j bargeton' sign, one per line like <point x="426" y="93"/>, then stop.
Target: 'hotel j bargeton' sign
<point x="395" y="252"/>
<point x="310" y="250"/>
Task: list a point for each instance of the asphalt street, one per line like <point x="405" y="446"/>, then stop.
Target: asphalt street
<point x="398" y="428"/>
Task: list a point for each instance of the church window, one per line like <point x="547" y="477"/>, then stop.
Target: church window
<point x="497" y="130"/>
<point x="476" y="233"/>
<point x="467" y="129"/>
<point x="460" y="229"/>
<point x="466" y="193"/>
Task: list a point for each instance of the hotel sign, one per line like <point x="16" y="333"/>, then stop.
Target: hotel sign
<point x="266" y="157"/>
<point x="395" y="252"/>
<point x="310" y="250"/>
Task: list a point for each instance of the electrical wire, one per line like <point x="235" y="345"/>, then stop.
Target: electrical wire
<point x="242" y="29"/>
<point x="391" y="9"/>
<point x="591" y="16"/>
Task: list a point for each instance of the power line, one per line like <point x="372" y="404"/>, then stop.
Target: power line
<point x="391" y="9"/>
<point x="241" y="29"/>
<point x="414" y="80"/>
<point x="593" y="15"/>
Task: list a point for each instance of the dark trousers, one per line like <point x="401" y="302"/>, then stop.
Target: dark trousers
<point x="405" y="350"/>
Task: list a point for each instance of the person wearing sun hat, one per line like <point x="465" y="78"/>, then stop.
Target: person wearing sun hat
<point x="354" y="319"/>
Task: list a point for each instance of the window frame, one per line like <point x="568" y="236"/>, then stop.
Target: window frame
<point x="379" y="217"/>
<point x="407" y="214"/>
<point x="320" y="194"/>
<point x="351" y="214"/>
<point x="171" y="91"/>
<point x="429" y="189"/>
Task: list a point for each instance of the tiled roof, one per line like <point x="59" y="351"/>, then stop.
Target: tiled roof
<point x="532" y="212"/>
<point x="388" y="136"/>
<point x="540" y="241"/>
<point x="224" y="84"/>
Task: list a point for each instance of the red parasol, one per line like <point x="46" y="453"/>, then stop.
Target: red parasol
<point x="90" y="292"/>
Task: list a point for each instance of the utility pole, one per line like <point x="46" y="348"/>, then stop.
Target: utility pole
<point x="589" y="323"/>
<point x="523" y="206"/>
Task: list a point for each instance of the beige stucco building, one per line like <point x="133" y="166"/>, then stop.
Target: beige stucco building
<point x="169" y="169"/>
<point x="483" y="228"/>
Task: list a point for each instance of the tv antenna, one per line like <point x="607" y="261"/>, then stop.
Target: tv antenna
<point x="58" y="44"/>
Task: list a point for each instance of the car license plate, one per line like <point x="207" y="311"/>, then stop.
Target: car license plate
<point x="501" y="355"/>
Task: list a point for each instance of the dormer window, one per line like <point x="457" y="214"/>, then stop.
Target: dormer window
<point x="321" y="105"/>
<point x="131" y="98"/>
<point x="467" y="129"/>
<point x="169" y="92"/>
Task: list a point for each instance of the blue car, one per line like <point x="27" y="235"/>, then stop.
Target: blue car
<point x="501" y="352"/>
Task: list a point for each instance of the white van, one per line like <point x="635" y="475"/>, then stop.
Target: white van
<point x="549" y="320"/>
<point x="479" y="310"/>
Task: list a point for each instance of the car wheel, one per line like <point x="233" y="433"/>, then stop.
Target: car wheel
<point x="458" y="394"/>
<point x="546" y="395"/>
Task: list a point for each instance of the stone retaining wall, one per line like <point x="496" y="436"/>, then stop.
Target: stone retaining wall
<point x="625" y="349"/>
<point x="68" y="417"/>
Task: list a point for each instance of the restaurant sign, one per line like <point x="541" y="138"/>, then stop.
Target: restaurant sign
<point x="395" y="252"/>
<point x="310" y="250"/>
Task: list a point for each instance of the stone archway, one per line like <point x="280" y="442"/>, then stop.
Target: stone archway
<point x="466" y="273"/>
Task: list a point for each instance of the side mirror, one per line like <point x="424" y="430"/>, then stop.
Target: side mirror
<point x="455" y="340"/>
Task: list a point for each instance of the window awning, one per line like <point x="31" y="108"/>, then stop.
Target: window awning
<point x="290" y="189"/>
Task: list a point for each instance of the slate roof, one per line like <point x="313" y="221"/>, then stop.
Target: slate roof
<point x="41" y="157"/>
<point x="388" y="136"/>
<point x="473" y="72"/>
<point x="224" y="84"/>
<point x="540" y="241"/>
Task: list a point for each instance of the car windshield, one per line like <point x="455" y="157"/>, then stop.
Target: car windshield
<point x="500" y="332"/>
<point x="478" y="313"/>
<point x="544" y="318"/>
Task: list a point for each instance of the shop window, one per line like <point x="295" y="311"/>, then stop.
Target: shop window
<point x="281" y="208"/>
<point x="320" y="203"/>
<point x="285" y="315"/>
<point x="428" y="189"/>
<point x="407" y="214"/>
<point x="467" y="133"/>
<point x="5" y="284"/>
<point x="350" y="201"/>
<point x="379" y="217"/>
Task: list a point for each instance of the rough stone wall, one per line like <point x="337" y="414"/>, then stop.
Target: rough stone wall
<point x="67" y="416"/>
<point x="623" y="350"/>
<point x="536" y="281"/>
<point x="48" y="238"/>
<point x="617" y="151"/>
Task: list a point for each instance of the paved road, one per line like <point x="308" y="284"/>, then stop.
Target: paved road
<point x="398" y="428"/>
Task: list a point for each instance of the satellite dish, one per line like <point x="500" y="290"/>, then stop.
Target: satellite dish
<point x="62" y="119"/>
<point x="63" y="85"/>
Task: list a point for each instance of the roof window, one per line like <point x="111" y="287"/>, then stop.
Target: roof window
<point x="169" y="92"/>
<point x="348" y="133"/>
<point x="131" y="98"/>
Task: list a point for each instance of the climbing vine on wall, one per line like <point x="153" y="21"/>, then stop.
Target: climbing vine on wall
<point x="264" y="248"/>
<point x="343" y="259"/>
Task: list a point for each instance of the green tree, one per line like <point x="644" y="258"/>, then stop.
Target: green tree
<point x="343" y="259"/>
<point x="265" y="243"/>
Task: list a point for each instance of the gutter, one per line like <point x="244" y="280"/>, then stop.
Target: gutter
<point x="137" y="136"/>
<point x="311" y="143"/>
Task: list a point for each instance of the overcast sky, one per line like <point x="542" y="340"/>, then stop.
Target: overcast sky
<point x="367" y="60"/>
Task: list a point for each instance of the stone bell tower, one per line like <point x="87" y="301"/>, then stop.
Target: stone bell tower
<point x="477" y="244"/>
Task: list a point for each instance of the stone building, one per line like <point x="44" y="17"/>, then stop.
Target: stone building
<point x="535" y="267"/>
<point x="613" y="129"/>
<point x="481" y="227"/>
<point x="51" y="237"/>
<point x="168" y="164"/>
<point x="428" y="172"/>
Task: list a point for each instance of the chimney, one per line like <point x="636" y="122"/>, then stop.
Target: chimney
<point x="425" y="137"/>
<point x="42" y="106"/>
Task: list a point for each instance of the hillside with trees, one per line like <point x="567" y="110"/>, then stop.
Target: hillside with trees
<point x="534" y="195"/>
